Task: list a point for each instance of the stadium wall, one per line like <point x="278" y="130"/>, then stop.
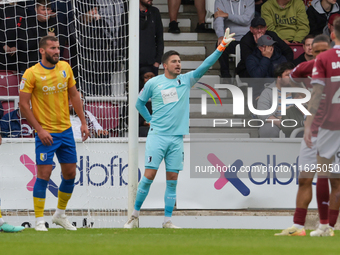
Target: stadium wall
<point x="102" y="178"/>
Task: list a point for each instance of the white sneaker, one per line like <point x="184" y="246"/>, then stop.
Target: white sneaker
<point x="169" y="224"/>
<point x="40" y="226"/>
<point x="62" y="220"/>
<point x="322" y="232"/>
<point x="132" y="222"/>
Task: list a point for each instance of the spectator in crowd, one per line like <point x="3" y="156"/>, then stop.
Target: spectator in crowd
<point x="14" y="125"/>
<point x="96" y="50"/>
<point x="272" y="127"/>
<point x="11" y="18"/>
<point x="173" y="6"/>
<point x="102" y="42"/>
<point x="293" y="113"/>
<point x="308" y="51"/>
<point x="62" y="10"/>
<point x="151" y="44"/>
<point x="237" y="15"/>
<point x="262" y="62"/>
<point x="36" y="27"/>
<point x="145" y="75"/>
<point x="287" y="18"/>
<point x="95" y="129"/>
<point x="330" y="28"/>
<point x="248" y="44"/>
<point x="319" y="13"/>
<point x="258" y="5"/>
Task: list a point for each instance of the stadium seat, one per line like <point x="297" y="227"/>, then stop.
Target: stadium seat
<point x="297" y="132"/>
<point x="106" y="113"/>
<point x="66" y="54"/>
<point x="9" y="83"/>
<point x="239" y="83"/>
<point x="297" y="48"/>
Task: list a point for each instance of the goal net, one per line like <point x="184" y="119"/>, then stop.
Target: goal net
<point x="93" y="37"/>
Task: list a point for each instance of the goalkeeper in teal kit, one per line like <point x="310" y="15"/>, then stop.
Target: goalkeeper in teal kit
<point x="169" y="121"/>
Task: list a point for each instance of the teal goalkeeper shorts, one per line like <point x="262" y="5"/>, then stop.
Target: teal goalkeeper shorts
<point x="169" y="147"/>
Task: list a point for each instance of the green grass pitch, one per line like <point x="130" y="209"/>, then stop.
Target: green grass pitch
<point x="164" y="241"/>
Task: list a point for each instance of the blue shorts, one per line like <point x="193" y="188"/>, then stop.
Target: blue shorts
<point x="63" y="145"/>
<point x="169" y="147"/>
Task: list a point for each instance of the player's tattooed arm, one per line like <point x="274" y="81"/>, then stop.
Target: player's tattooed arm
<point x="314" y="102"/>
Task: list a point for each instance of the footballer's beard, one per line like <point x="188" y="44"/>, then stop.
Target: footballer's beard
<point x="146" y="4"/>
<point x="50" y="59"/>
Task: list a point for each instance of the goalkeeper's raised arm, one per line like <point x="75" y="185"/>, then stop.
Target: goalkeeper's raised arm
<point x="169" y="121"/>
<point x="209" y="61"/>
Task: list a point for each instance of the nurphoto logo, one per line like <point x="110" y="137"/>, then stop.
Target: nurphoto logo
<point x="239" y="106"/>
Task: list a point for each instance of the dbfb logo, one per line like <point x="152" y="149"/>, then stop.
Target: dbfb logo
<point x="100" y="174"/>
<point x="239" y="105"/>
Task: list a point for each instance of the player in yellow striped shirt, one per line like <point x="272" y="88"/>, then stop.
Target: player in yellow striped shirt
<point x="48" y="85"/>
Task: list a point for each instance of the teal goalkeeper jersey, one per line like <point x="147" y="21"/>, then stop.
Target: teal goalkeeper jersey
<point x="170" y="100"/>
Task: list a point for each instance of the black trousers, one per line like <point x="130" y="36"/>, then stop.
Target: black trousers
<point x="224" y="59"/>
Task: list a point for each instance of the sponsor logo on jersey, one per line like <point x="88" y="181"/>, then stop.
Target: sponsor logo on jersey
<point x="149" y="159"/>
<point x="60" y="87"/>
<point x="169" y="95"/>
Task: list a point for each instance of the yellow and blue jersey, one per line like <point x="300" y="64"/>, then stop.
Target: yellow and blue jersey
<point x="49" y="89"/>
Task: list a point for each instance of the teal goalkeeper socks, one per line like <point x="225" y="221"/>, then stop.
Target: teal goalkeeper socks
<point x="170" y="198"/>
<point x="142" y="192"/>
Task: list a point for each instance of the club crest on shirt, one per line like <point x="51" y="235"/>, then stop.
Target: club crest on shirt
<point x="63" y="73"/>
<point x="43" y="156"/>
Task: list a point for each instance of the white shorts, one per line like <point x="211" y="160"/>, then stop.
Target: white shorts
<point x="328" y="145"/>
<point x="307" y="156"/>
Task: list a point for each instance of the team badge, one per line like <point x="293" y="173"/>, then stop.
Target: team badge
<point x="43" y="156"/>
<point x="149" y="159"/>
<point x="63" y="74"/>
